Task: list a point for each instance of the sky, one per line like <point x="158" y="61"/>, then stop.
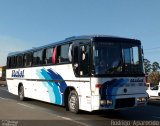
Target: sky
<point x="25" y="24"/>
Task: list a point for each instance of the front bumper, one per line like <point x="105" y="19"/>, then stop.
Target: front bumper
<point x="119" y="102"/>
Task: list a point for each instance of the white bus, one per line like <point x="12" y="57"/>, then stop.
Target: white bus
<point x="81" y="73"/>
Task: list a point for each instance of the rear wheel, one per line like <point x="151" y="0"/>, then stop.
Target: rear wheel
<point x="21" y="93"/>
<point x="73" y="102"/>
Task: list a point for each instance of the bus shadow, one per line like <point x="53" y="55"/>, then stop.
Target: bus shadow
<point x="140" y="113"/>
<point x="130" y="114"/>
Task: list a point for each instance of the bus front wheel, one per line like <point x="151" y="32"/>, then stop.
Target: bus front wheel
<point x="21" y="93"/>
<point x="73" y="102"/>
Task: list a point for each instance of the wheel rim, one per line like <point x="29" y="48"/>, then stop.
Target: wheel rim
<point x="73" y="102"/>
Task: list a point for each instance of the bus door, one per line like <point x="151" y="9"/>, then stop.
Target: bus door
<point x="81" y="66"/>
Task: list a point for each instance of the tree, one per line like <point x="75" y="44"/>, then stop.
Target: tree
<point x="147" y="66"/>
<point x="154" y="77"/>
<point x="155" y="66"/>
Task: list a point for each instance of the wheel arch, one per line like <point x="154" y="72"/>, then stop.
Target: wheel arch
<point x="19" y="85"/>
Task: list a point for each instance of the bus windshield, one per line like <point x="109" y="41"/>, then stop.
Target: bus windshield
<point x="112" y="58"/>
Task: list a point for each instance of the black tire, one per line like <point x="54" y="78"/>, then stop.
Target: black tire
<point x="73" y="102"/>
<point x="21" y="93"/>
<point x="147" y="96"/>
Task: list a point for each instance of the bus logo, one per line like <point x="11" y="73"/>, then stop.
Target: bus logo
<point x="18" y="73"/>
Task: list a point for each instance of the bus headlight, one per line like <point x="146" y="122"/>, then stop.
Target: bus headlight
<point x="109" y="102"/>
<point x="142" y="99"/>
<point x="106" y="102"/>
<point x="103" y="102"/>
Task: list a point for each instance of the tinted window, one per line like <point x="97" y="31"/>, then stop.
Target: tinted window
<point x="48" y="56"/>
<point x="37" y="58"/>
<point x="13" y="62"/>
<point x="19" y="61"/>
<point x="63" y="54"/>
<point x="9" y="62"/>
<point x="75" y="60"/>
<point x="84" y="60"/>
<point x="27" y="59"/>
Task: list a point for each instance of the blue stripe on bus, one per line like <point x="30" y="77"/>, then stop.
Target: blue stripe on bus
<point x="115" y="86"/>
<point x="56" y="89"/>
<point x="110" y="88"/>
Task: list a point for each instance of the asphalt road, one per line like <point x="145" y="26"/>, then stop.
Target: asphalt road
<point x="33" y="112"/>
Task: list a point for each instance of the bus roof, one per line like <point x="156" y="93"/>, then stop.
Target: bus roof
<point x="87" y="37"/>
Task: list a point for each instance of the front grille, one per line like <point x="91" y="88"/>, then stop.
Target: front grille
<point x="126" y="102"/>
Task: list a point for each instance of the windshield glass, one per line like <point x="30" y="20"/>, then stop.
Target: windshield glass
<point x="117" y="58"/>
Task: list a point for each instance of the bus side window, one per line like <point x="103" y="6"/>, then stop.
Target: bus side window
<point x="48" y="56"/>
<point x="27" y="59"/>
<point x="37" y="58"/>
<point x="58" y="55"/>
<point x="62" y="53"/>
<point x="44" y="59"/>
<point x="19" y="61"/>
<point x="75" y="60"/>
<point x="84" y="60"/>
<point x="9" y="62"/>
<point x="13" y="63"/>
